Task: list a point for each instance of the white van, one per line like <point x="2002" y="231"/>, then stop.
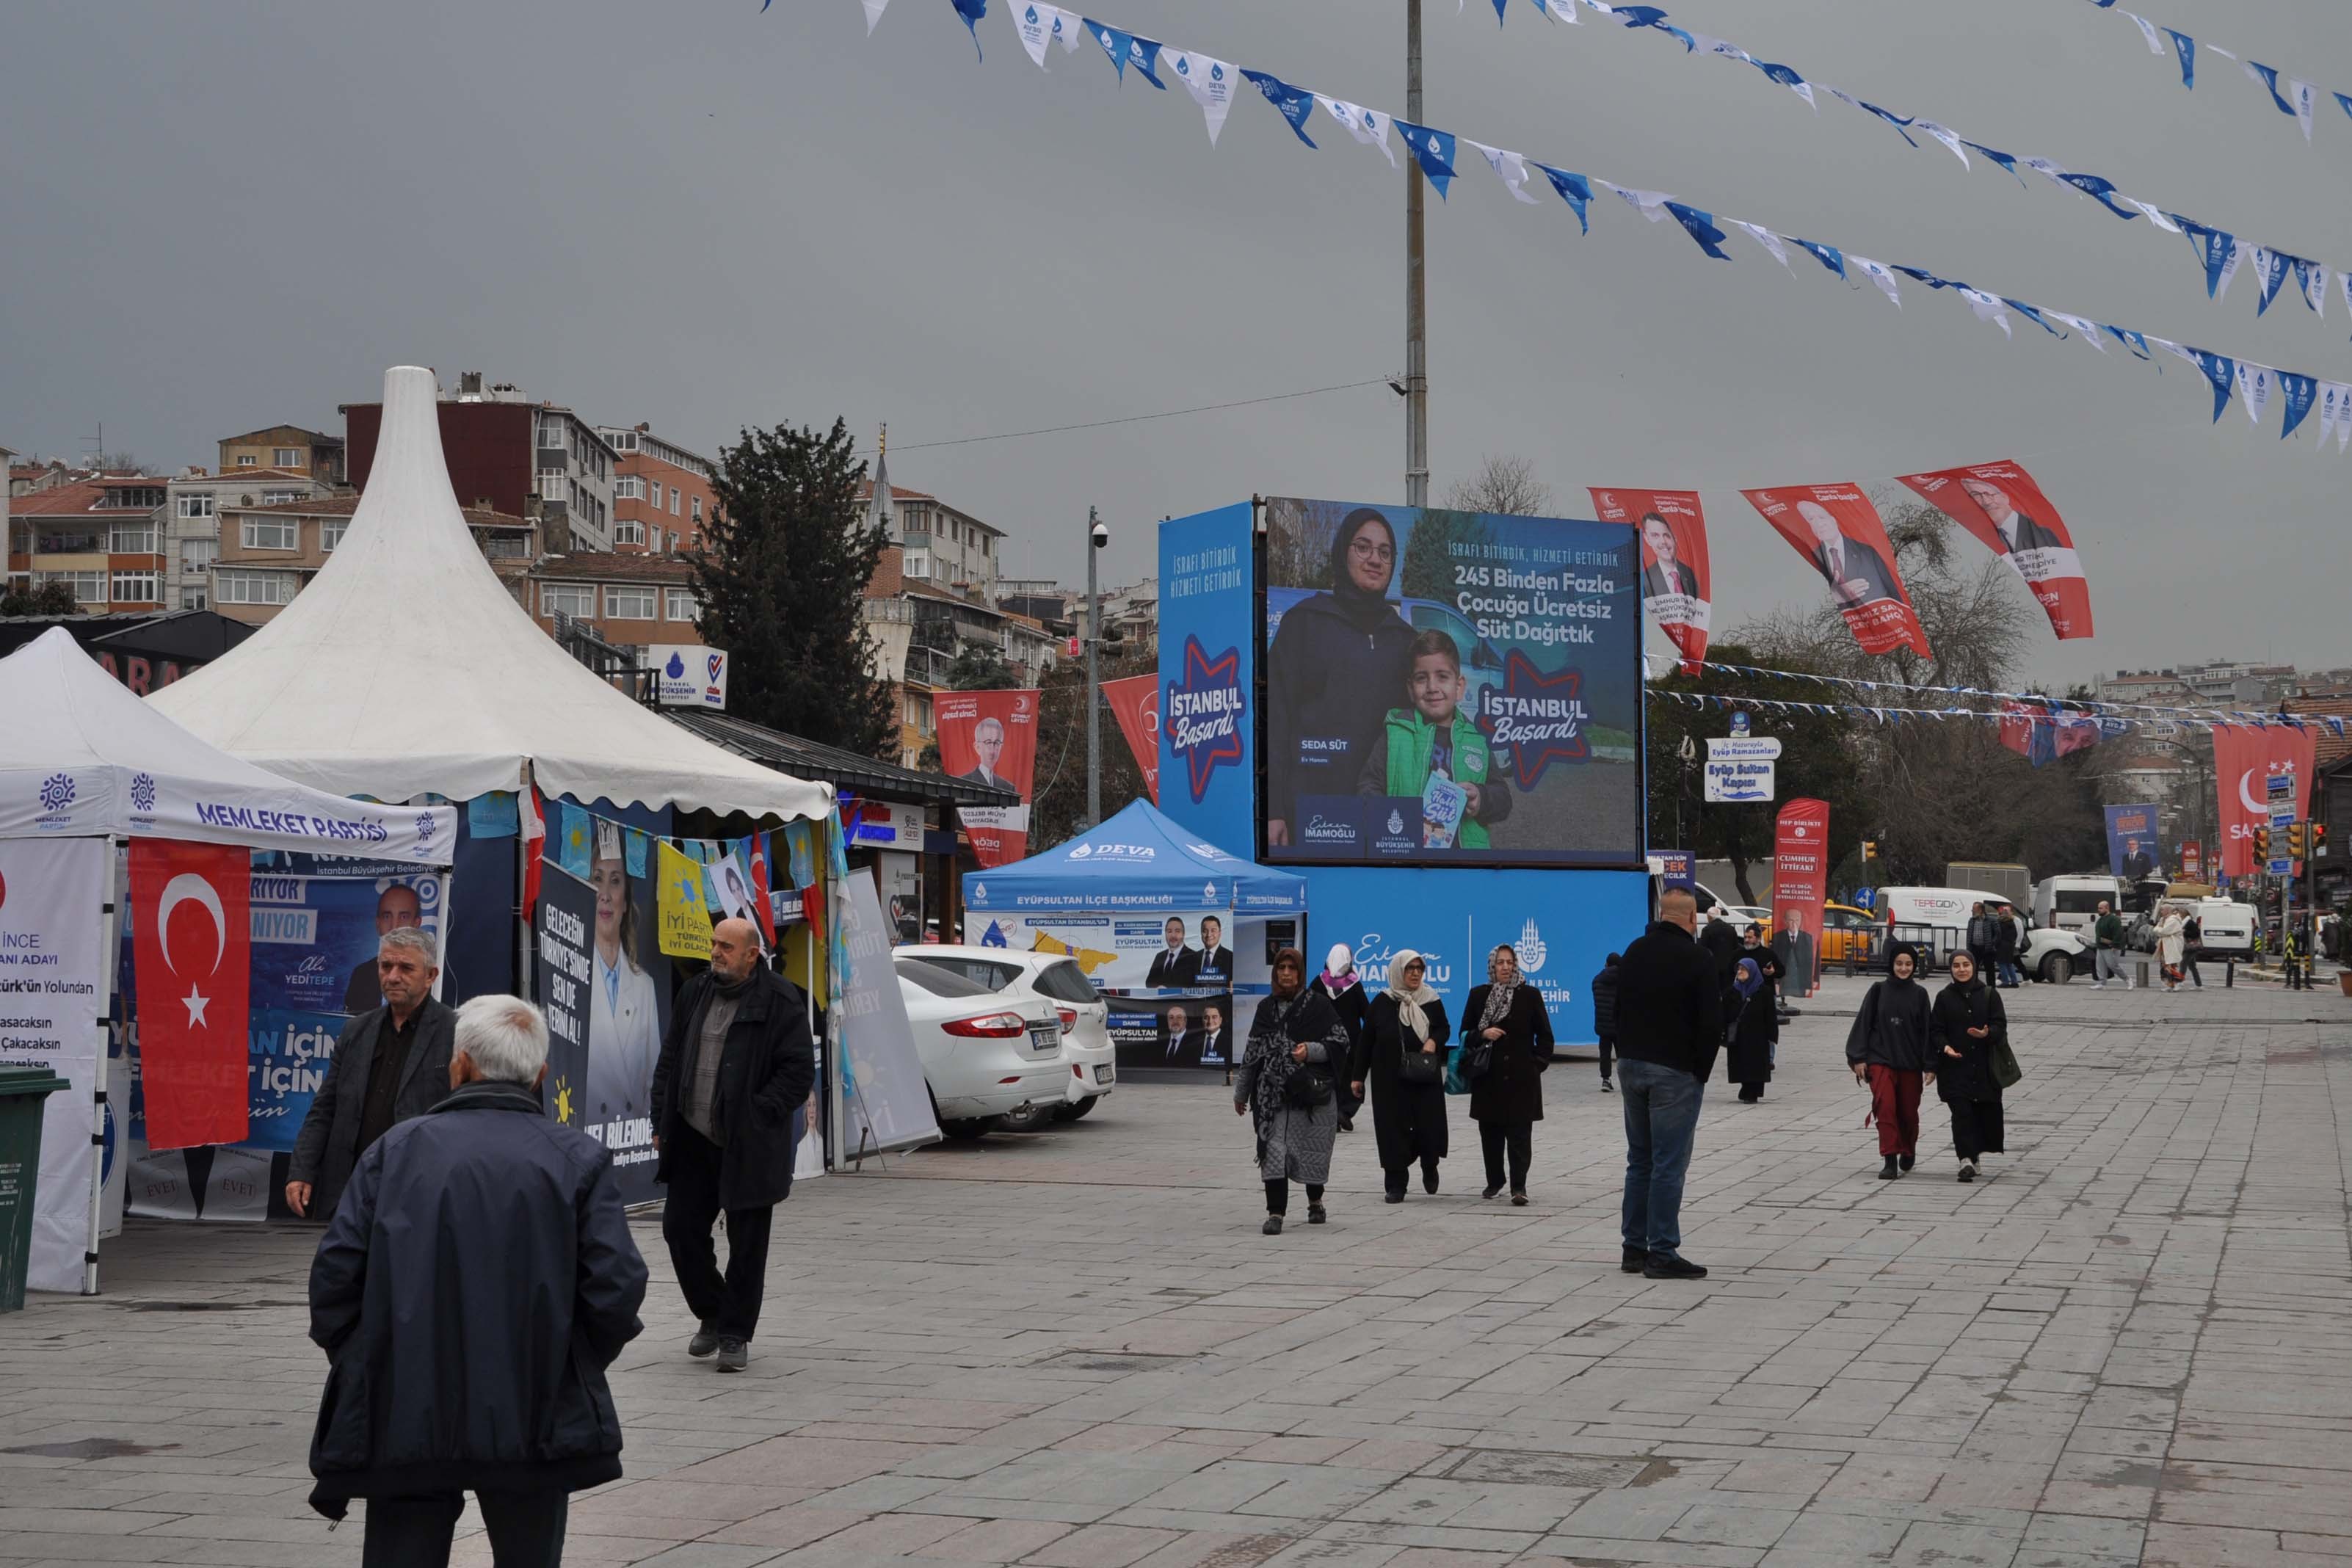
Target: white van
<point x="1937" y="920"/>
<point x="2072" y="903"/>
<point x="2227" y="926"/>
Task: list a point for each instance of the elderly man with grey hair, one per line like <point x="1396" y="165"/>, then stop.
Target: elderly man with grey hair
<point x="476" y="1283"/>
<point x="391" y="1062"/>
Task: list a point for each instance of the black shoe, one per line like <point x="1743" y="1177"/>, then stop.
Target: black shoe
<point x="1314" y="1214"/>
<point x="705" y="1341"/>
<point x="1967" y="1169"/>
<point x="734" y="1355"/>
<point x="1272" y="1225"/>
<point x="1887" y="1172"/>
<point x="1910" y="1160"/>
<point x="1394" y="1197"/>
<point x="1346" y="1124"/>
<point x="1670" y="1266"/>
<point x="1429" y="1178"/>
<point x="1747" y="1099"/>
<point x="1633" y="1260"/>
<point x="1518" y="1200"/>
<point x="1606" y="1086"/>
<point x="1490" y="1191"/>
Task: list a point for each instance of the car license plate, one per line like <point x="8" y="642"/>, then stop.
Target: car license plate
<point x="1102" y="1074"/>
<point x="1046" y="1037"/>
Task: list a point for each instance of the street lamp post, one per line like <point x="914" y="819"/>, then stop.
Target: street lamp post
<point x="1097" y="537"/>
<point x="1416" y="363"/>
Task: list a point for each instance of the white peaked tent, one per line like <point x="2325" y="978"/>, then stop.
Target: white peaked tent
<point x="406" y="668"/>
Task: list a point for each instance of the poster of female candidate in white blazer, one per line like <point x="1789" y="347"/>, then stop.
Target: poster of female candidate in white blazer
<point x="628" y="983"/>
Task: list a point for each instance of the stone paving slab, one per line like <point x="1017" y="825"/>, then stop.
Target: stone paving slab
<point x="2131" y="1345"/>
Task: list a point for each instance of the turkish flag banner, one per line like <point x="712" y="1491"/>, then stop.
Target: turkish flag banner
<point x="1675" y="582"/>
<point x="1838" y="532"/>
<point x="2001" y="505"/>
<point x="192" y="946"/>
<point x="1800" y="871"/>
<point x="991" y="738"/>
<point x="2244" y="758"/>
<point x="1135" y="703"/>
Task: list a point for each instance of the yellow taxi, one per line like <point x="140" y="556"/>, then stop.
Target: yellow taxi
<point x="1845" y="929"/>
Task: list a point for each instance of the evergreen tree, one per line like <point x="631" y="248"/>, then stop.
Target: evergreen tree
<point x="48" y="599"/>
<point x="782" y="574"/>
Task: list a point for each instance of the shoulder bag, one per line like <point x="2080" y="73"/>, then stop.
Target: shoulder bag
<point x="1419" y="1067"/>
<point x="2005" y="1070"/>
<point x="1309" y="1086"/>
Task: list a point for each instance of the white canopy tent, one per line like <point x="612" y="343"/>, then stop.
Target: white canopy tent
<point x="405" y="667"/>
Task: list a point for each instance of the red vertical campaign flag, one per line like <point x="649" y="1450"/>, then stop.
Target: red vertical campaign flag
<point x="1676" y="582"/>
<point x="1800" y="871"/>
<point x="991" y="738"/>
<point x="762" y="908"/>
<point x="2244" y="758"/>
<point x="2001" y="505"/>
<point x="1135" y="703"/>
<point x="1836" y="529"/>
<point x="192" y="946"/>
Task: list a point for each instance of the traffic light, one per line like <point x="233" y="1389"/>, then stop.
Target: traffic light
<point x="2319" y="838"/>
<point x="2294" y="840"/>
<point x="2262" y="843"/>
<point x="1869" y="847"/>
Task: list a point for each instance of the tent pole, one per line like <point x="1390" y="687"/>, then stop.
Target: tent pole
<point x="109" y="956"/>
<point x="523" y="976"/>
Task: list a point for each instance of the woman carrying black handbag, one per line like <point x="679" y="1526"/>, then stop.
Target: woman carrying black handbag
<point x="1969" y="1030"/>
<point x="1503" y="1021"/>
<point x="1401" y="1059"/>
<point x="1286" y="1084"/>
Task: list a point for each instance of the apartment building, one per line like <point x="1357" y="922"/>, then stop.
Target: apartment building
<point x="191" y="543"/>
<point x="661" y="493"/>
<point x="509" y="454"/>
<point x="633" y="601"/>
<point x="920" y="629"/>
<point x="287" y="448"/>
<point x="942" y="546"/>
<point x="268" y="553"/>
<point x="103" y="536"/>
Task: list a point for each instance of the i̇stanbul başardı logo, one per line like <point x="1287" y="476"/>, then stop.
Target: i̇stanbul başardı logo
<point x="1538" y="719"/>
<point x="1202" y="713"/>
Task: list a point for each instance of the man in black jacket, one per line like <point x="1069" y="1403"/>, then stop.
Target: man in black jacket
<point x="1604" y="1014"/>
<point x="1669" y="1028"/>
<point x="736" y="1064"/>
<point x="1720" y="940"/>
<point x="476" y="1281"/>
<point x="390" y="1063"/>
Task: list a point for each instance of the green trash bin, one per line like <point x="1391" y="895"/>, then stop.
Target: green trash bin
<point x="22" y="1092"/>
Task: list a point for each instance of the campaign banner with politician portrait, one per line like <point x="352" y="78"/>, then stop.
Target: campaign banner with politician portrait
<point x="1838" y="532"/>
<point x="605" y="983"/>
<point x="1173" y="1032"/>
<point x="1800" y="867"/>
<point x="1449" y="688"/>
<point x="991" y="738"/>
<point x="2001" y="505"/>
<point x="1676" y="584"/>
<point x="2244" y="758"/>
<point x="1143" y="951"/>
<point x="2131" y="849"/>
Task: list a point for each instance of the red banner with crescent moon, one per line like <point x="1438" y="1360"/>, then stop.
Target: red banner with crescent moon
<point x="2244" y="758"/>
<point x="1135" y="702"/>
<point x="192" y="950"/>
<point x="1801" y="877"/>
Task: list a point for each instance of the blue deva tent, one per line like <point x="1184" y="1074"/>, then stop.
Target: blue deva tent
<point x="1138" y="862"/>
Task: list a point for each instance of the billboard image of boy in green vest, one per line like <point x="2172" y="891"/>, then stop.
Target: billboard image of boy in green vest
<point x="1431" y="739"/>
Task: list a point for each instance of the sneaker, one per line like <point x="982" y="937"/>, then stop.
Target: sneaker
<point x="734" y="1355"/>
<point x="1967" y="1169"/>
<point x="1670" y="1266"/>
<point x="1633" y="1260"/>
<point x="705" y="1341"/>
<point x="1608" y="1088"/>
<point x="1314" y="1214"/>
<point x="1393" y="1198"/>
<point x="1272" y="1225"/>
<point x="1910" y="1160"/>
<point x="1429" y="1178"/>
<point x="1518" y="1200"/>
<point x="1346" y="1124"/>
<point x="1490" y="1191"/>
<point x="1887" y="1172"/>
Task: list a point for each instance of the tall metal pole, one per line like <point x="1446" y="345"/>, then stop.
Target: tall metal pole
<point x="1094" y="690"/>
<point x="1416" y="323"/>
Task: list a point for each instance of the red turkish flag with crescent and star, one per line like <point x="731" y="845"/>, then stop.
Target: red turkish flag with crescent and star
<point x="192" y="943"/>
<point x="2244" y="758"/>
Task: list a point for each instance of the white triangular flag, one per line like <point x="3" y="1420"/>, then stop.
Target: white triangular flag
<point x="1877" y="273"/>
<point x="873" y="14"/>
<point x="1763" y="236"/>
<point x="1988" y="308"/>
<point x="1563" y="10"/>
<point x="2344" y="281"/>
<point x="1208" y="80"/>
<point x="1040" y="24"/>
<point x="2331" y="409"/>
<point x="2048" y="171"/>
<point x="2314" y="278"/>
<point x="2156" y="215"/>
<point x="2225" y="54"/>
<point x="1705" y="44"/>
<point x="2087" y="329"/>
<point x="2255" y="388"/>
<point x="2147" y="29"/>
<point x="2178" y="350"/>
<point x="2229" y="269"/>
<point x="1651" y="204"/>
<point x="1509" y="167"/>
<point x="2343" y="416"/>
<point x="2299" y="93"/>
<point x="1368" y="126"/>
<point x="1946" y="136"/>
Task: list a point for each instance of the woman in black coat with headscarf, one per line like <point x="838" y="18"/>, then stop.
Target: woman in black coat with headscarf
<point x="1965" y="1025"/>
<point x="1889" y="1051"/>
<point x="1508" y="1015"/>
<point x="1336" y="666"/>
<point x="1747" y="1002"/>
<point x="1402" y="1060"/>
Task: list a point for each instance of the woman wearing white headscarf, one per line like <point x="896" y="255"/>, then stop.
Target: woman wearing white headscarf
<point x="1506" y="1016"/>
<point x="1401" y="1059"/>
<point x="1341" y="988"/>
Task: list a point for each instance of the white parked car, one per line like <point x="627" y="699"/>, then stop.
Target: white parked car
<point x="986" y="1054"/>
<point x="1086" y="1048"/>
<point x="2054" y="955"/>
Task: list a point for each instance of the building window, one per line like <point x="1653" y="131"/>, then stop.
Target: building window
<point x="280" y="498"/>
<point x="698" y="511"/>
<point x="198" y="554"/>
<point x="574" y="599"/>
<point x="134" y="588"/>
<point x="330" y="533"/>
<point x="246" y="460"/>
<point x="628" y="486"/>
<point x="88" y="587"/>
<point x="289" y="457"/>
<point x="552" y="436"/>
<point x="195" y="598"/>
<point x="628" y="603"/>
<point x="141" y="498"/>
<point x="129" y="540"/>
<point x="672" y="501"/>
<point x="265" y="533"/>
<point x="919" y="563"/>
<point x="680" y="604"/>
<point x="984" y="544"/>
<point x="196" y="505"/>
<point x="628" y="531"/>
<point x="255" y="587"/>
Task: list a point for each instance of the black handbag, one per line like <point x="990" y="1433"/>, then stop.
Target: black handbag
<point x="1419" y="1067"/>
<point x="1307" y="1087"/>
<point x="1478" y="1059"/>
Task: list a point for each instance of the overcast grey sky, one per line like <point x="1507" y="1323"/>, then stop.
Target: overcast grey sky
<point x="228" y="214"/>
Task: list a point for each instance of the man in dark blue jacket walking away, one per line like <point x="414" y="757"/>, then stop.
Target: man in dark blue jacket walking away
<point x="476" y="1282"/>
<point x="1669" y="1029"/>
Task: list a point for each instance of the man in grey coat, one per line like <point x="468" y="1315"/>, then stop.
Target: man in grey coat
<point x="390" y="1063"/>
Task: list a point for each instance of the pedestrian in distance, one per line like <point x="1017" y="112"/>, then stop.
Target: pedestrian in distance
<point x="476" y="1282"/>
<point x="2192" y="943"/>
<point x="1402" y="1060"/>
<point x="1968" y="1026"/>
<point x="1980" y="937"/>
<point x="1721" y="942"/>
<point x="1605" y="1016"/>
<point x="736" y="1064"/>
<point x="2108" y="955"/>
<point x="1297" y="1047"/>
<point x="390" y="1064"/>
<point x="1669" y="1028"/>
<point x="2007" y="933"/>
<point x="1751" y="1030"/>
<point x="1889" y="1051"/>
<point x="2171" y="945"/>
<point x="1505" y="1018"/>
<point x="1344" y="989"/>
<point x="1774" y="970"/>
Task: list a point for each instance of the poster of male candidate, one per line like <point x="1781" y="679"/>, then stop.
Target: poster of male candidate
<point x="2001" y="505"/>
<point x="991" y="738"/>
<point x="2132" y="850"/>
<point x="1800" y="864"/>
<point x="1674" y="577"/>
<point x="1838" y="532"/>
<point x="1171" y="1032"/>
<point x="1193" y="950"/>
<point x="1451" y="687"/>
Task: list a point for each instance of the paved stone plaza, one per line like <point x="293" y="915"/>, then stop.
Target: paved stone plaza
<point x="2132" y="1344"/>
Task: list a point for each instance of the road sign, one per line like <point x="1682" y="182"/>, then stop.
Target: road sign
<point x="1740" y="768"/>
<point x="2281" y="867"/>
<point x="1864" y="897"/>
<point x="2280" y="785"/>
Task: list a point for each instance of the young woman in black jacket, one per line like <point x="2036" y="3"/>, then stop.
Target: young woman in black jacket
<point x="1965" y="1025"/>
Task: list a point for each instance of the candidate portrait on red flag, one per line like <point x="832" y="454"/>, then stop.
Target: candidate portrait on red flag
<point x="2244" y="758"/>
<point x="2001" y="505"/>
<point x="991" y="738"/>
<point x="1135" y="703"/>
<point x="1800" y="867"/>
<point x="192" y="946"/>
<point x="1675" y="586"/>
<point x="1836" y="529"/>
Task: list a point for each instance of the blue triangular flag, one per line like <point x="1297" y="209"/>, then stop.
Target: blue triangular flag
<point x="2185" y="48"/>
<point x="2273" y="273"/>
<point x="2301" y="391"/>
<point x="1701" y="227"/>
<point x="2031" y="314"/>
<point x="1827" y="255"/>
<point x="2098" y="189"/>
<point x="1888" y="115"/>
<point x="2222" y="372"/>
<point x="1433" y="150"/>
<point x="2346" y="99"/>
<point x="2270" y="79"/>
<point x="2213" y="249"/>
<point x="1499" y="12"/>
<point x="2304" y="268"/>
<point x="2131" y="340"/>
<point x="1639" y="16"/>
<point x="2003" y="159"/>
<point x="1574" y="189"/>
<point x="972" y="11"/>
<point x="1924" y="275"/>
<point x="1128" y="49"/>
<point x="1295" y="103"/>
